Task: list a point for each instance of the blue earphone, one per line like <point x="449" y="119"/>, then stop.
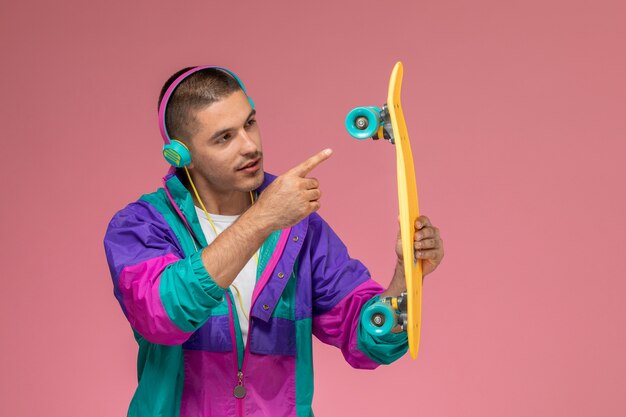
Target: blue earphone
<point x="174" y="151"/>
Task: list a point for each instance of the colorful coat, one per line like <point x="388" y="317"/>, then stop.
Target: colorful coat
<point x="191" y="353"/>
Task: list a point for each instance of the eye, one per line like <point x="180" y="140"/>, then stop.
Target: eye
<point x="224" y="138"/>
<point x="251" y="122"/>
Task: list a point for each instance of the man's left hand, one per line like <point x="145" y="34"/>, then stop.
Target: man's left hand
<point x="427" y="245"/>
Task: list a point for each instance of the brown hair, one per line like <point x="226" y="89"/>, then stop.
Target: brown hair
<point x="197" y="91"/>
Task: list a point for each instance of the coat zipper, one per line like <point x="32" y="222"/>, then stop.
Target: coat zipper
<point x="239" y="391"/>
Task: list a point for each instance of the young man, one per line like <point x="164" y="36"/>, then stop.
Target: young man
<point x="227" y="271"/>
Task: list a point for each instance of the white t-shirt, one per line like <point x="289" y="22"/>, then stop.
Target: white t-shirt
<point x="246" y="279"/>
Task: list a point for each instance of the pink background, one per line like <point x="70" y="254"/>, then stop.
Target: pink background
<point x="516" y="112"/>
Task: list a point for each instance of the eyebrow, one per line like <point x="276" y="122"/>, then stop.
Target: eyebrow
<point x="222" y="131"/>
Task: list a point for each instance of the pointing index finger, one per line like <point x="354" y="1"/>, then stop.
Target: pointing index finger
<point x="307" y="166"/>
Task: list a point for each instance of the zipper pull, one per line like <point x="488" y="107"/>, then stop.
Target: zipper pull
<point x="239" y="391"/>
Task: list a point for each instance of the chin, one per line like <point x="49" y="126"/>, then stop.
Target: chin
<point x="258" y="178"/>
<point x="251" y="183"/>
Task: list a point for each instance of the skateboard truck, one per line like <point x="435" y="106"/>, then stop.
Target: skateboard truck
<point x="387" y="313"/>
<point x="370" y="122"/>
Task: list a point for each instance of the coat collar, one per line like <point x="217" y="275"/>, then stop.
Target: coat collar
<point x="183" y="203"/>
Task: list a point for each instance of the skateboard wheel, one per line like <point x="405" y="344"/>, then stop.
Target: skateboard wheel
<point x="378" y="319"/>
<point x="363" y="122"/>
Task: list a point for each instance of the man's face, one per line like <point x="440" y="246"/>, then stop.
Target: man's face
<point x="227" y="139"/>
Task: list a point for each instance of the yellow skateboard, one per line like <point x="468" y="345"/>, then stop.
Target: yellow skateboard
<point x="388" y="123"/>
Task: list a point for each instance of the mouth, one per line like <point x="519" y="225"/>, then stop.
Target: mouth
<point x="251" y="165"/>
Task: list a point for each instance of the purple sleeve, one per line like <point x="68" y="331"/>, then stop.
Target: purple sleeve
<point x="164" y="295"/>
<point x="341" y="286"/>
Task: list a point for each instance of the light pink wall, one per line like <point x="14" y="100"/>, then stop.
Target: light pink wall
<point x="516" y="112"/>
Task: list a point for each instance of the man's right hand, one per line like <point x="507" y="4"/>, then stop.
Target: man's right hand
<point x="291" y="196"/>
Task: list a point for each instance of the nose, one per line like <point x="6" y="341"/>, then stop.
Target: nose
<point x="248" y="145"/>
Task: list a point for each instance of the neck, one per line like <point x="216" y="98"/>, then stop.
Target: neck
<point x="227" y="203"/>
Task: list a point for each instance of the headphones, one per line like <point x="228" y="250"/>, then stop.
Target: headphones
<point x="174" y="151"/>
